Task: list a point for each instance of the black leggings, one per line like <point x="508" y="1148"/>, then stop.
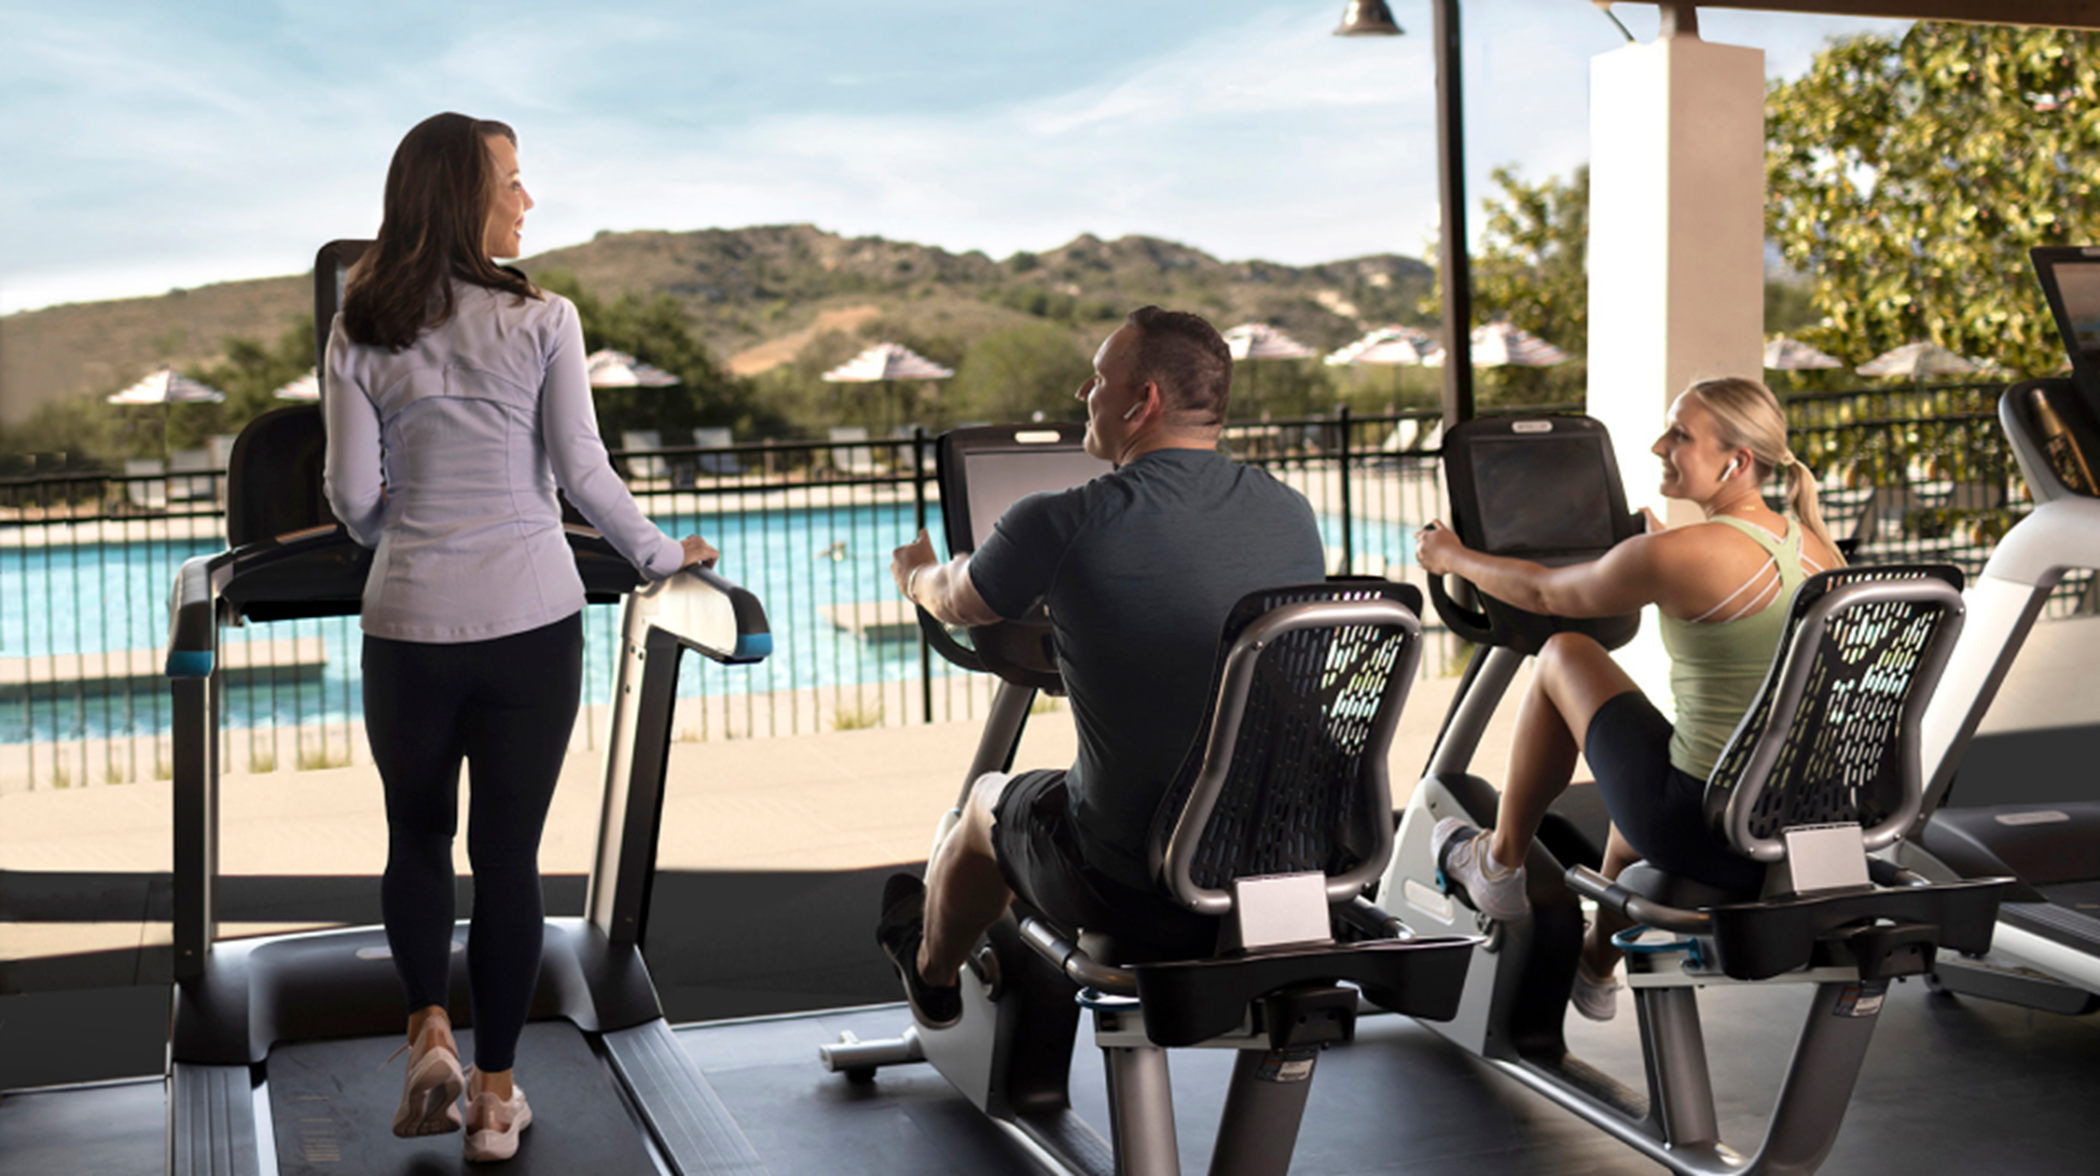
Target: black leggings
<point x="506" y="706"/>
<point x="1659" y="808"/>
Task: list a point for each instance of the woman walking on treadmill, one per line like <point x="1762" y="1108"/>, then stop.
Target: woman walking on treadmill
<point x="456" y="403"/>
<point x="1722" y="588"/>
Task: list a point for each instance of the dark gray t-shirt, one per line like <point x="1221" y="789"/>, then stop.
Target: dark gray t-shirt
<point x="1139" y="568"/>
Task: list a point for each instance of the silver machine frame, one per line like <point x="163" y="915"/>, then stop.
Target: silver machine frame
<point x="1512" y="1009"/>
<point x="1010" y="1052"/>
<point x="2060" y="536"/>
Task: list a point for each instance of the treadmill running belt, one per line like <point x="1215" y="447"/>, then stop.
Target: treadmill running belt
<point x="332" y="1107"/>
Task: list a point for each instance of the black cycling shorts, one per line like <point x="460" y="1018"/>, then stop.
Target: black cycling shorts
<point x="1659" y="808"/>
<point x="1033" y="839"/>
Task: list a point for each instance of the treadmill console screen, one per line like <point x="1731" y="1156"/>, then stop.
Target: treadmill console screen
<point x="1546" y="494"/>
<point x="331" y="273"/>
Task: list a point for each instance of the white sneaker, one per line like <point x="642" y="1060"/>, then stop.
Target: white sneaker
<point x="493" y="1125"/>
<point x="1594" y="998"/>
<point x="430" y="1093"/>
<point x="1461" y="854"/>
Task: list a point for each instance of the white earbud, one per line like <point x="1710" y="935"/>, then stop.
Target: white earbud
<point x="1134" y="410"/>
<point x="1733" y="464"/>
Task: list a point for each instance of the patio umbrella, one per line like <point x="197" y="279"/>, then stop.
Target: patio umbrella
<point x="617" y="369"/>
<point x="167" y="386"/>
<point x="1502" y="345"/>
<point x="1792" y="355"/>
<point x="1397" y="346"/>
<point x="306" y="387"/>
<point x="886" y="363"/>
<point x="1262" y="341"/>
<point x="1917" y="361"/>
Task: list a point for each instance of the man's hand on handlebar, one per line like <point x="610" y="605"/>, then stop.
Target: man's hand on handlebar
<point x="912" y="556"/>
<point x="698" y="552"/>
<point x="944" y="590"/>
<point x="1436" y="546"/>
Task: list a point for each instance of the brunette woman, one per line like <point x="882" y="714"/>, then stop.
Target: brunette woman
<point x="456" y="403"/>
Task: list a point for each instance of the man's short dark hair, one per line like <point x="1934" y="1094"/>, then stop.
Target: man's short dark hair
<point x="1189" y="361"/>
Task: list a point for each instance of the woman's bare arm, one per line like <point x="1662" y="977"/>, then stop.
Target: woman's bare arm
<point x="1643" y="570"/>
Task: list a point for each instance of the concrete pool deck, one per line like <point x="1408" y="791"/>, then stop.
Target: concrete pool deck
<point x="839" y="800"/>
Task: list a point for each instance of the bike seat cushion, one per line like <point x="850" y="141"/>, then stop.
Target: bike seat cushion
<point x="1681" y="892"/>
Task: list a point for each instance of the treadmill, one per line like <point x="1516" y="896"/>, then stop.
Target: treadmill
<point x="2046" y="953"/>
<point x="274" y="1041"/>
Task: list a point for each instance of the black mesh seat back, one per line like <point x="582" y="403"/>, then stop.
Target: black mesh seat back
<point x="1845" y="750"/>
<point x="1314" y="733"/>
<point x="273" y="478"/>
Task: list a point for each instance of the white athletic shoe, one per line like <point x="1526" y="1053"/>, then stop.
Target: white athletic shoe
<point x="1461" y="854"/>
<point x="494" y="1125"/>
<point x="430" y="1093"/>
<point x="1593" y="998"/>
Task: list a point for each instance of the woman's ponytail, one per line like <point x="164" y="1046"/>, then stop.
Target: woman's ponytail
<point x="1801" y="498"/>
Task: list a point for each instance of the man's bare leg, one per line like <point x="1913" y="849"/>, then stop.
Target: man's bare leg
<point x="965" y="892"/>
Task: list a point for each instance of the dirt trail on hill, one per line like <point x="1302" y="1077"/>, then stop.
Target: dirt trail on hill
<point x="774" y="352"/>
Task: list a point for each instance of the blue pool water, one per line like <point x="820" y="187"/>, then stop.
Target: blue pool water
<point x="109" y="598"/>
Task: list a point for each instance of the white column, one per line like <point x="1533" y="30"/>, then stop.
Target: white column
<point x="1676" y="253"/>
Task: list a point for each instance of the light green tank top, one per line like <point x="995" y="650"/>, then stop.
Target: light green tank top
<point x="1716" y="668"/>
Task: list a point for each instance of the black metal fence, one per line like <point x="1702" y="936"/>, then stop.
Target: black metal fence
<point x="86" y="561"/>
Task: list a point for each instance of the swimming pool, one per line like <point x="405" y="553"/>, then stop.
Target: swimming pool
<point x="100" y="600"/>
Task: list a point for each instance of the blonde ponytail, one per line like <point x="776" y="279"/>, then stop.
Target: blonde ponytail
<point x="1801" y="499"/>
<point x="1750" y="418"/>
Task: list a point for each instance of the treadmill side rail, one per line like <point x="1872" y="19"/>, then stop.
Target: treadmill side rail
<point x="211" y="1122"/>
<point x="684" y="1114"/>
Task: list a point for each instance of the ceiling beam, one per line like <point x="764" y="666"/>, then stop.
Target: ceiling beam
<point x="2069" y="14"/>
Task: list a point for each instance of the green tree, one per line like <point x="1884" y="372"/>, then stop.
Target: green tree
<point x="1908" y="177"/>
<point x="1532" y="271"/>
<point x="1012" y="373"/>
<point x="249" y="372"/>
<point x="656" y="331"/>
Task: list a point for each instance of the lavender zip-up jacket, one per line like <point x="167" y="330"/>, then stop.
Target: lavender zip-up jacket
<point x="444" y="458"/>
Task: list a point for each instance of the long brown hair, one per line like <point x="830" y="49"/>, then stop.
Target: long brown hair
<point x="438" y="193"/>
<point x="1749" y="417"/>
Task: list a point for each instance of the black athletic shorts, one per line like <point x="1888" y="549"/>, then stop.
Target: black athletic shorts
<point x="1033" y="839"/>
<point x="1659" y="808"/>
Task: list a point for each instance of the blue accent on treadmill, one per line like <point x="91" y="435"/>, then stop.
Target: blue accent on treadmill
<point x="189" y="663"/>
<point x="754" y="645"/>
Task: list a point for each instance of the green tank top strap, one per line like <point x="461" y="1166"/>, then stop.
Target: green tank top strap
<point x="1716" y="667"/>
<point x="1785" y="550"/>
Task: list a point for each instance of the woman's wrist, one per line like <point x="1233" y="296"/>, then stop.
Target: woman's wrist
<point x="911" y="581"/>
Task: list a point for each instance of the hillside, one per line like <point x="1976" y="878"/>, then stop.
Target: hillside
<point x="755" y="296"/>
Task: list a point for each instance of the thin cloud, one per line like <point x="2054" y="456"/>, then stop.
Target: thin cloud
<point x="147" y="147"/>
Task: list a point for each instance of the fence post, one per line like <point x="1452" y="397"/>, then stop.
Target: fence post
<point x="1348" y="529"/>
<point x="918" y="494"/>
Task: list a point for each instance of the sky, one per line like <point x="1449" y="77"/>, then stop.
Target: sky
<point x="146" y="146"/>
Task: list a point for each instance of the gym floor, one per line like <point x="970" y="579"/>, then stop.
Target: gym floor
<point x="1950" y="1086"/>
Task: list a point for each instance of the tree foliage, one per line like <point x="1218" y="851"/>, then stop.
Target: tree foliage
<point x="1532" y="271"/>
<point x="1014" y="373"/>
<point x="656" y="331"/>
<point x="1908" y="177"/>
<point x="250" y="372"/>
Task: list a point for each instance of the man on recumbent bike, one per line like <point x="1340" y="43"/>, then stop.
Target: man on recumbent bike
<point x="1139" y="569"/>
